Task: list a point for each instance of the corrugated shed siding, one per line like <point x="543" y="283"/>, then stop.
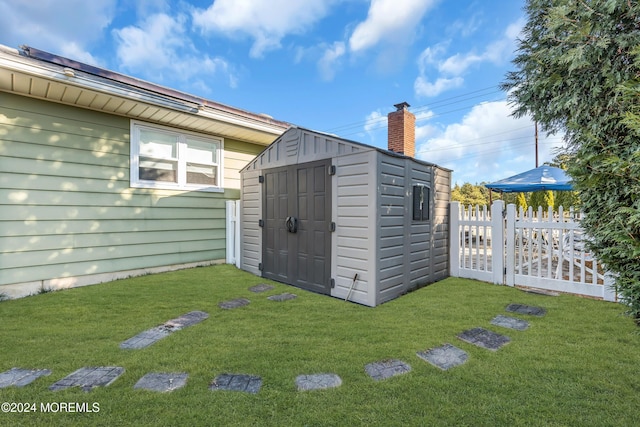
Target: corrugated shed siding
<point x="66" y="208"/>
<point x="250" y="214"/>
<point x="355" y="236"/>
<point x="409" y="253"/>
<point x="420" y="231"/>
<point x="392" y="212"/>
<point x="441" y="224"/>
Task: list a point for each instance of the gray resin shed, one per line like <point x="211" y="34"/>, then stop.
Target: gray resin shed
<point x="345" y="219"/>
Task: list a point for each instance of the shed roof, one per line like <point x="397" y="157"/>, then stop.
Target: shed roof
<point x="360" y="145"/>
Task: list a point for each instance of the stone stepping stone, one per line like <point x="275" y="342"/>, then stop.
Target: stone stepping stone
<point x="234" y="303"/>
<point x="386" y="369"/>
<point x="189" y="319"/>
<point x="21" y="377"/>
<point x="526" y="309"/>
<point x="237" y="382"/>
<point x="145" y="338"/>
<point x="444" y="357"/>
<point x="88" y="378"/>
<point x="484" y="338"/>
<point x="510" y="322"/>
<point x="282" y="297"/>
<point x="262" y="287"/>
<point x="162" y="382"/>
<point x="317" y="381"/>
<point x="150" y="336"/>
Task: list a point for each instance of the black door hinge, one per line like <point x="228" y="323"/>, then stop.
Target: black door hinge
<point x="261" y="179"/>
<point x="332" y="227"/>
<point x="331" y="170"/>
<point x="260" y="266"/>
<point x="261" y="222"/>
<point x="332" y="283"/>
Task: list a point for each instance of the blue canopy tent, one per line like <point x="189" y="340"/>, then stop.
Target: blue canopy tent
<point x="539" y="179"/>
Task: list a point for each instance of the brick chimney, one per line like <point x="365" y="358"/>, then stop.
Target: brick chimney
<point x="402" y="130"/>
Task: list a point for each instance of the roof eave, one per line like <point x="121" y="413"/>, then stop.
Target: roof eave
<point x="227" y="121"/>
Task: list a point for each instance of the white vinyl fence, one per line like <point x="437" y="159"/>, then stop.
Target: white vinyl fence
<point x="534" y="248"/>
<point x="233" y="232"/>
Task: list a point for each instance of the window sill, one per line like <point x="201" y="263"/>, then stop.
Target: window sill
<point x="176" y="187"/>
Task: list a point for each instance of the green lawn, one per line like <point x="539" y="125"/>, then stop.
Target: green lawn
<point x="578" y="365"/>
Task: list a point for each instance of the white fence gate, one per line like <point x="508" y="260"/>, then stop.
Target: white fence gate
<point x="537" y="249"/>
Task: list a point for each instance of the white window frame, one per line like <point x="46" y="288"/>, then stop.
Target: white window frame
<point x="181" y="159"/>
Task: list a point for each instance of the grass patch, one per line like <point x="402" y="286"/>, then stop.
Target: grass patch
<point x="578" y="365"/>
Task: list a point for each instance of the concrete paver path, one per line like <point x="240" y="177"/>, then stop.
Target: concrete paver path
<point x="445" y="357"/>
<point x="21" y="377"/>
<point x="88" y="378"/>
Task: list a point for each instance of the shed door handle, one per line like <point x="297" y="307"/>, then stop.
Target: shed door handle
<point x="292" y="224"/>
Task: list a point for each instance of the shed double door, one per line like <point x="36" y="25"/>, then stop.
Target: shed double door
<point x="296" y="239"/>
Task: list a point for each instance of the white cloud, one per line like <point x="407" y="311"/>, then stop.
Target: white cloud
<point x="458" y="63"/>
<point x="160" y="45"/>
<point x="74" y="51"/>
<point x="450" y="70"/>
<point x="64" y="27"/>
<point x="330" y="60"/>
<point x="153" y="44"/>
<point x="423" y="87"/>
<point x="431" y="55"/>
<point x="374" y="122"/>
<point x="513" y="31"/>
<point x="496" y="52"/>
<point x="424" y="131"/>
<point x="486" y="145"/>
<point x="388" y="20"/>
<point x="267" y="22"/>
<point x="465" y="28"/>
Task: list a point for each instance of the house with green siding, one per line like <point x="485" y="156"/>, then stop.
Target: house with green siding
<point x="104" y="176"/>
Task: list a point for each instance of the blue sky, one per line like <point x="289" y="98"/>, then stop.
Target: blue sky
<point x="335" y="66"/>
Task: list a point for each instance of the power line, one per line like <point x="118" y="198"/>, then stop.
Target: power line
<point x="382" y="121"/>
<point x="457" y="146"/>
<point x="440" y="103"/>
<point x="482" y="152"/>
<point x="379" y="123"/>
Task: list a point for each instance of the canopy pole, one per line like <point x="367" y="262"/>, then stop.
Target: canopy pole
<point x="536" y="125"/>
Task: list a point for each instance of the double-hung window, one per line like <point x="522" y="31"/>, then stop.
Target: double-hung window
<point x="167" y="158"/>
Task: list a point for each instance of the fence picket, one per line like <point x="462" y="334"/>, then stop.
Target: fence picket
<point x="534" y="248"/>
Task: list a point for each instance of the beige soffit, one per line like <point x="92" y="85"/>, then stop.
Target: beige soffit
<point x="61" y="80"/>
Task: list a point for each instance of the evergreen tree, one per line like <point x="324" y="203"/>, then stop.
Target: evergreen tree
<point x="577" y="69"/>
<point x="541" y="198"/>
<point x="548" y="200"/>
<point x="565" y="199"/>
<point x="521" y="202"/>
<point x="469" y="194"/>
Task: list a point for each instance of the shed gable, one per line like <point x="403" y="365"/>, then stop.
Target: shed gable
<point x="299" y="145"/>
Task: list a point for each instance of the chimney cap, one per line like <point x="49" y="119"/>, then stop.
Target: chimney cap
<point x="402" y="106"/>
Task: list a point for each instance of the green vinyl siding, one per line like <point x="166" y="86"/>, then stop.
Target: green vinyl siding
<point x="67" y="209"/>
